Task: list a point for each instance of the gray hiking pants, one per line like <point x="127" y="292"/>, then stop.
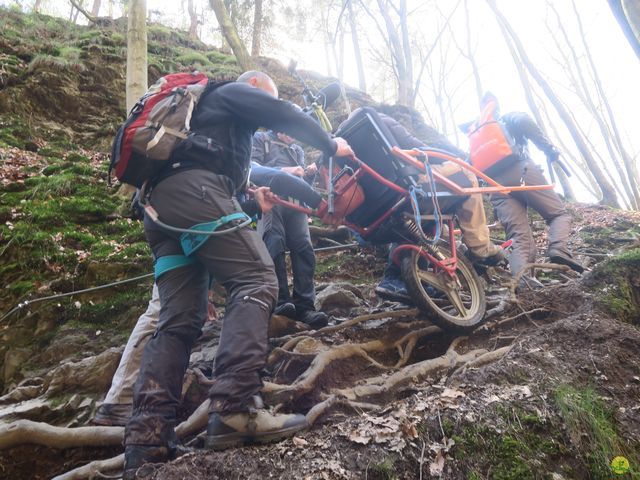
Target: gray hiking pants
<point x="285" y="228"/>
<point x="121" y="391"/>
<point x="511" y="210"/>
<point x="241" y="263"/>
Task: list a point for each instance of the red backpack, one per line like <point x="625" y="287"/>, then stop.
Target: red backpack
<point x="158" y="122"/>
<point x="489" y="141"/>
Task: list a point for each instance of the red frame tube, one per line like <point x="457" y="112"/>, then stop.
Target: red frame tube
<point x="449" y="265"/>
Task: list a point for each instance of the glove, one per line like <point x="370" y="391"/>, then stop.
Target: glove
<point x="552" y="154"/>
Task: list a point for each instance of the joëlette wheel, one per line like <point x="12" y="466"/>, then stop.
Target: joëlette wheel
<point x="455" y="305"/>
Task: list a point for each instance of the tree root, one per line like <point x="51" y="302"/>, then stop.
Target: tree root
<point x="38" y="433"/>
<point x="384" y="384"/>
<point x="411" y="339"/>
<point x="349" y="323"/>
<point x="196" y="422"/>
<point x="93" y="469"/>
<point x="484" y="359"/>
<point x="306" y="381"/>
<point x="332" y="401"/>
<point x="532" y="266"/>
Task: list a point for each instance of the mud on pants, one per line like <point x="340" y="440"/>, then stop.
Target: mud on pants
<point x="240" y="262"/>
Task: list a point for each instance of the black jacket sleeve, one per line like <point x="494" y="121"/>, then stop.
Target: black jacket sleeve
<point x="522" y="127"/>
<point x="259" y="109"/>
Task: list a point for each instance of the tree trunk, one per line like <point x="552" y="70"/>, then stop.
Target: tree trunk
<point x="398" y="52"/>
<point x="256" y="39"/>
<point x="528" y="92"/>
<point x="470" y="55"/>
<point x="327" y="37"/>
<point x="137" y="82"/>
<point x="614" y="134"/>
<point x="95" y="9"/>
<point x="36" y="6"/>
<point x="406" y="50"/>
<point x="608" y="193"/>
<point x="193" y="20"/>
<point x="79" y="8"/>
<point x="627" y="12"/>
<point x="231" y="34"/>
<point x="356" y="47"/>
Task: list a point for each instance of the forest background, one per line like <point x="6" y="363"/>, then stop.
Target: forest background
<point x="566" y="62"/>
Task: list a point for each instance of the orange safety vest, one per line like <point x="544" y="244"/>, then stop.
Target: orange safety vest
<point x="489" y="141"/>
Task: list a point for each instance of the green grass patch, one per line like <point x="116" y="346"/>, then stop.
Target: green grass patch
<point x="520" y="447"/>
<point x="591" y="427"/>
<point x="194" y="58"/>
<point x="384" y="470"/>
<point x="618" y="286"/>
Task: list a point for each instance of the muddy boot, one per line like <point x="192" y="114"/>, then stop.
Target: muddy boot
<point x="565" y="258"/>
<point x="112" y="414"/>
<point x="286" y="310"/>
<point x="255" y="426"/>
<point x="137" y="455"/>
<point x="315" y="320"/>
<point x="498" y="258"/>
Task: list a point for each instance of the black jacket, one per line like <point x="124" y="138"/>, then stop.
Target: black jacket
<point x="229" y="115"/>
<point x="269" y="151"/>
<point x="523" y="128"/>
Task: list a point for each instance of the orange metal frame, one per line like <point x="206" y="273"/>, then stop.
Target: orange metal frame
<point x="410" y="158"/>
<point x="416" y="159"/>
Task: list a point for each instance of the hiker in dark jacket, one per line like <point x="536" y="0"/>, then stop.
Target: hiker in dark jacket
<point x="200" y="186"/>
<point x="511" y="209"/>
<point x="284" y="228"/>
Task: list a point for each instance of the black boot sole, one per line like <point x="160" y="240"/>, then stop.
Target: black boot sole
<point x="239" y="439"/>
<point x="568" y="262"/>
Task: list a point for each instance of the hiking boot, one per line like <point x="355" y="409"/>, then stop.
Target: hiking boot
<point x="137" y="455"/>
<point x="112" y="414"/>
<point x="498" y="258"/>
<point x="565" y="258"/>
<point x="529" y="283"/>
<point x="256" y="426"/>
<point x="315" y="320"/>
<point x="286" y="310"/>
<point x="393" y="289"/>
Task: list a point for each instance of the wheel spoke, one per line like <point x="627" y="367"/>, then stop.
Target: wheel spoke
<point x="454" y="296"/>
<point x="435" y="280"/>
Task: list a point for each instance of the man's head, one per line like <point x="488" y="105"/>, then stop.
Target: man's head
<point x="259" y="80"/>
<point x="487" y="98"/>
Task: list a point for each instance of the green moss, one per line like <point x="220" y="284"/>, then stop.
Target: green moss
<point x="384" y="470"/>
<point x="21" y="287"/>
<point x="517" y="448"/>
<point x="159" y="33"/>
<point x="194" y="58"/>
<point x="108" y="312"/>
<point x="59" y="64"/>
<point x="217" y="57"/>
<point x="617" y="285"/>
<point x="591" y="425"/>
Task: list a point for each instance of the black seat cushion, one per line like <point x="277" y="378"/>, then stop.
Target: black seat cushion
<point x="372" y="142"/>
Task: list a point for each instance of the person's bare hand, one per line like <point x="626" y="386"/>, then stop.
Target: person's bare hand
<point x="266" y="198"/>
<point x="297" y="171"/>
<point x="311" y="169"/>
<point x="344" y="149"/>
